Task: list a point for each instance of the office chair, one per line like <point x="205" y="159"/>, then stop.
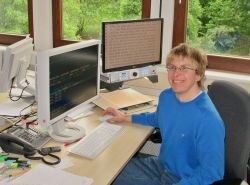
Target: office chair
<point x="233" y="104"/>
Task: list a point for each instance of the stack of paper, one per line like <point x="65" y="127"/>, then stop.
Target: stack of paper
<point x="121" y="98"/>
<point x="46" y="175"/>
<point x="16" y="108"/>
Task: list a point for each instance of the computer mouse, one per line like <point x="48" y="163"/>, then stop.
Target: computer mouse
<point x="105" y="117"/>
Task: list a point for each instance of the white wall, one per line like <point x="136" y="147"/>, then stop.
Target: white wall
<point x="167" y="12"/>
<point x="168" y="15"/>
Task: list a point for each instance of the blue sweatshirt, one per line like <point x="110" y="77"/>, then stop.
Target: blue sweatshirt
<point x="192" y="137"/>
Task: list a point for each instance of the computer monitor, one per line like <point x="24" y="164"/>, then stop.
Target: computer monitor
<point x="67" y="80"/>
<point x="129" y="47"/>
<point x="15" y="62"/>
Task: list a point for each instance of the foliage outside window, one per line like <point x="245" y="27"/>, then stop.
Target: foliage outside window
<point x="16" y="20"/>
<point x="14" y="16"/>
<point x="82" y="19"/>
<point x="59" y="37"/>
<point x="220" y="26"/>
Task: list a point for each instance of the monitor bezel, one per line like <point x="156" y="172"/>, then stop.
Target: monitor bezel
<point x="105" y="23"/>
<point x="42" y="59"/>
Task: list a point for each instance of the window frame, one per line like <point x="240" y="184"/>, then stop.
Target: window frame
<point x="219" y="62"/>
<point x="57" y="21"/>
<point x="8" y="39"/>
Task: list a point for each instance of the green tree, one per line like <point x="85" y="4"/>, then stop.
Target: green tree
<point x="14" y="16"/>
<point x="228" y="25"/>
<point x="220" y="26"/>
<point x="82" y="19"/>
<point x="130" y="9"/>
<point x="194" y="23"/>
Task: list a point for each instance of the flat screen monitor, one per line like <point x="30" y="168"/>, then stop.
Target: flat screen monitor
<point x="67" y="80"/>
<point x="131" y="44"/>
<point x="15" y="62"/>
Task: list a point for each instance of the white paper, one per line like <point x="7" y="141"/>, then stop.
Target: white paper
<point x="15" y="108"/>
<point x="46" y="175"/>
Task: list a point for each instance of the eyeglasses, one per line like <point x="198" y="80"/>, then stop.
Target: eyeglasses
<point x="183" y="69"/>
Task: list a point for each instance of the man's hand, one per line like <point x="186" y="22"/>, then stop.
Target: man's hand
<point x="118" y="116"/>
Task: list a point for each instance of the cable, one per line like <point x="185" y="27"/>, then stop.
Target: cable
<point x="43" y="158"/>
<point x="16" y="98"/>
<point x="26" y="108"/>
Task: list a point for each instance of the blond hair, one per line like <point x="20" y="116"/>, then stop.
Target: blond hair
<point x="195" y="54"/>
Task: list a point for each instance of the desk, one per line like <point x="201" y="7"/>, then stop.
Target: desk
<point x="4" y="123"/>
<point x="111" y="161"/>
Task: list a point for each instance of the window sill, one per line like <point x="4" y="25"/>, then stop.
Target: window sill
<point x="230" y="76"/>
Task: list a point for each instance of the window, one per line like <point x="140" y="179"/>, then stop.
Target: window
<point x="219" y="27"/>
<point x="17" y="21"/>
<point x="72" y="22"/>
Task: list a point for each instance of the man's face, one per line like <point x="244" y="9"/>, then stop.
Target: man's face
<point x="182" y="77"/>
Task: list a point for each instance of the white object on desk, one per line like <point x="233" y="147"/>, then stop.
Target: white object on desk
<point x="98" y="140"/>
<point x="16" y="108"/>
<point x="46" y="175"/>
<point x="83" y="111"/>
<point x="84" y="114"/>
<point x="69" y="133"/>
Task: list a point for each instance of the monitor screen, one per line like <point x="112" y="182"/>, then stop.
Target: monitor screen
<point x="67" y="80"/>
<point x="131" y="44"/>
<point x="75" y="82"/>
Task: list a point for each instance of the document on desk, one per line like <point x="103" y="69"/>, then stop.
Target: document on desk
<point x="16" y="108"/>
<point x="121" y="98"/>
<point x="46" y="175"/>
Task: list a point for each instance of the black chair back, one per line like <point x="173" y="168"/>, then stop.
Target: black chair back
<point x="233" y="104"/>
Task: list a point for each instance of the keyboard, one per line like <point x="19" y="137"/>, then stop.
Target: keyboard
<point x="30" y="136"/>
<point x="97" y="141"/>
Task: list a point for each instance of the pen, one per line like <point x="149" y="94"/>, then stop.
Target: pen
<point x="69" y="143"/>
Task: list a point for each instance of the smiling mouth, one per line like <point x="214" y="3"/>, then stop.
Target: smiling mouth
<point x="177" y="81"/>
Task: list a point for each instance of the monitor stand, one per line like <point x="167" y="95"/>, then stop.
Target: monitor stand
<point x="82" y="111"/>
<point x="62" y="131"/>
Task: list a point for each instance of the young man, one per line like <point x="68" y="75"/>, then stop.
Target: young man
<point x="192" y="149"/>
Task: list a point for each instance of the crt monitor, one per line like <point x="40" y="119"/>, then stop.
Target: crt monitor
<point x="67" y="80"/>
<point x="15" y="62"/>
<point x="131" y="44"/>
